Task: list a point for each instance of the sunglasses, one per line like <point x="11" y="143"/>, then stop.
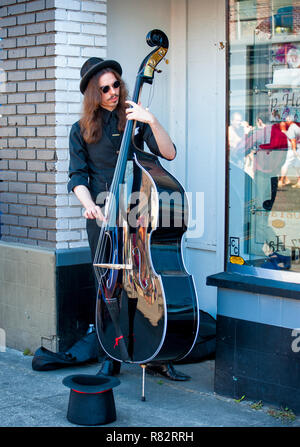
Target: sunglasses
<point x="106" y="88"/>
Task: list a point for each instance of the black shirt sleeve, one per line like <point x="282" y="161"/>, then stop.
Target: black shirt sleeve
<point x="78" y="167"/>
<point x="149" y="139"/>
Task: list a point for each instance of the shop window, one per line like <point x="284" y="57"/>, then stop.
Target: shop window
<point x="264" y="135"/>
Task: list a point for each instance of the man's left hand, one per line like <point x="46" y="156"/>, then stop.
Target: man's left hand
<point x="138" y="113"/>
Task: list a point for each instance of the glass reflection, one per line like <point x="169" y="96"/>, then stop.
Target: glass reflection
<point x="264" y="134"/>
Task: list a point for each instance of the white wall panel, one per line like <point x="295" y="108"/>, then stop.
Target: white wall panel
<point x="205" y="155"/>
<point x="189" y="100"/>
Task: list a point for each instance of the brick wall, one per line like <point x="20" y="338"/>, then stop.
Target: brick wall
<point x="44" y="44"/>
<point x="264" y="12"/>
<point x="296" y="16"/>
<point x="80" y="34"/>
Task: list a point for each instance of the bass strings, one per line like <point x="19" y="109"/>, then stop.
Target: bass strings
<point x="103" y="236"/>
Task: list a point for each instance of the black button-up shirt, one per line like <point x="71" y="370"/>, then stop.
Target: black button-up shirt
<point x="93" y="165"/>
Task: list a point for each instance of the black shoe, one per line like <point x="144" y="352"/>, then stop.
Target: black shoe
<point x="109" y="367"/>
<point x="167" y="370"/>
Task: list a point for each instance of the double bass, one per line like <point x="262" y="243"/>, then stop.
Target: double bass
<point x="147" y="307"/>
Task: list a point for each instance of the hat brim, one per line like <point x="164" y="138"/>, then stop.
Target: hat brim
<point x="114" y="65"/>
<point x="86" y="383"/>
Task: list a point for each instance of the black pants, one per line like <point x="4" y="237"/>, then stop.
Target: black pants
<point x="93" y="232"/>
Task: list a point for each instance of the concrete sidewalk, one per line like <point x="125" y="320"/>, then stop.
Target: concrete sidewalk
<point x="39" y="399"/>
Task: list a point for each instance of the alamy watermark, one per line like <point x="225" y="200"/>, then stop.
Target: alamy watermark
<point x="2" y="340"/>
<point x="137" y="209"/>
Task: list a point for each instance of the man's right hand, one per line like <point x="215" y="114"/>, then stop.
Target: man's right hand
<point x="91" y="210"/>
<point x="94" y="212"/>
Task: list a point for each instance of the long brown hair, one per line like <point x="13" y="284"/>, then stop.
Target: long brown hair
<point x="91" y="117"/>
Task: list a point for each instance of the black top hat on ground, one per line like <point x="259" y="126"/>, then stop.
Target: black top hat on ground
<point x="91" y="400"/>
<point x="92" y="66"/>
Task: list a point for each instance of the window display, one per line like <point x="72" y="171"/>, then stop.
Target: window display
<point x="264" y="134"/>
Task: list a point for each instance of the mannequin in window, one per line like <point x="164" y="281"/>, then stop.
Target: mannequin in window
<point x="292" y="131"/>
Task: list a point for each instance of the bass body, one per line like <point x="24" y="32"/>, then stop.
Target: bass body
<point x="150" y="309"/>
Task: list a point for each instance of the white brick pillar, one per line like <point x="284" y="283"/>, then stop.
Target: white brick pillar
<point x="80" y="33"/>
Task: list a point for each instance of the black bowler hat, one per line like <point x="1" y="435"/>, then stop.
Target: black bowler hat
<point x="92" y="66"/>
